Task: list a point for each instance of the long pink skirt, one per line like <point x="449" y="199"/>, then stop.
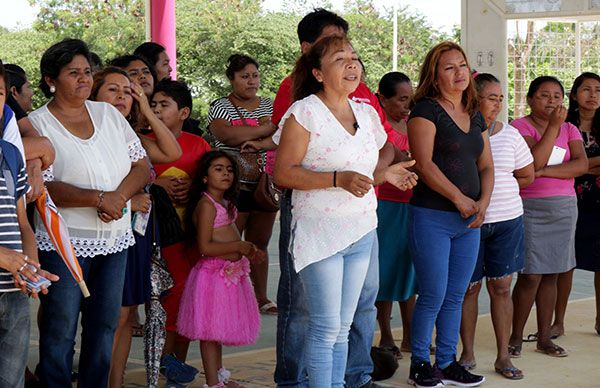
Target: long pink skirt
<point x="218" y="303"/>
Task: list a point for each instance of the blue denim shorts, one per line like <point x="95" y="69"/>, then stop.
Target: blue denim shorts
<point x="501" y="251"/>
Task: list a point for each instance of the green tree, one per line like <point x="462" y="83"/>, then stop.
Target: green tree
<point x="110" y="27"/>
<point x="209" y="31"/>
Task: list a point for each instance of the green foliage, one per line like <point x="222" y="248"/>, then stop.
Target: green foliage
<point x="549" y="50"/>
<point x="209" y="31"/>
<point x="110" y="27"/>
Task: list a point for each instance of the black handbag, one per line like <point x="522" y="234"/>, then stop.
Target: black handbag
<point x="170" y="228"/>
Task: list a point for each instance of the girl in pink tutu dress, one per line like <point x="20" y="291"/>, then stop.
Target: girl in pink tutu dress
<point x="218" y="306"/>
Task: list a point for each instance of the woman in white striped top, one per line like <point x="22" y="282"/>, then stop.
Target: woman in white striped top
<point x="501" y="248"/>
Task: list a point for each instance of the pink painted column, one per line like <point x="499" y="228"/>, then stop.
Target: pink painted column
<point x="162" y="29"/>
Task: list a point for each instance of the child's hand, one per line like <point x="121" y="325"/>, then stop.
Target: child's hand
<point x="258" y="257"/>
<point x="246" y="248"/>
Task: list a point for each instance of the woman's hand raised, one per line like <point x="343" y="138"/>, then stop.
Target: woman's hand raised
<point x="137" y="92"/>
<point x="398" y="175"/>
<point x="558" y="116"/>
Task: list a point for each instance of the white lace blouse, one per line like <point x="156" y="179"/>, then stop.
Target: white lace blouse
<point x="326" y="221"/>
<point x="100" y="163"/>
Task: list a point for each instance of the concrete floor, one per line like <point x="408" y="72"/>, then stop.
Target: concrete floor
<point x="254" y="364"/>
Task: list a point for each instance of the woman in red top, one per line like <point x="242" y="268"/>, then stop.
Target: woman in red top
<point x="396" y="271"/>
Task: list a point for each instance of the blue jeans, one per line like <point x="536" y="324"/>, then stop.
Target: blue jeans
<point x="332" y="288"/>
<point x="360" y="365"/>
<point x="14" y="339"/>
<point x="444" y="252"/>
<point x="292" y="318"/>
<point x="104" y="276"/>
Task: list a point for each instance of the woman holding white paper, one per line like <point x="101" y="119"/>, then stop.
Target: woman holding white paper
<point x="550" y="210"/>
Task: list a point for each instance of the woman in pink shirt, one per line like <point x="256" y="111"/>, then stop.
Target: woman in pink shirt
<point x="584" y="112"/>
<point x="550" y="210"/>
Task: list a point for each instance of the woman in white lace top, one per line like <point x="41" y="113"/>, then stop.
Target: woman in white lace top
<point x="329" y="148"/>
<point x="100" y="164"/>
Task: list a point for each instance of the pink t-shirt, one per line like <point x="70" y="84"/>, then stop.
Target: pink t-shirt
<point x="544" y="186"/>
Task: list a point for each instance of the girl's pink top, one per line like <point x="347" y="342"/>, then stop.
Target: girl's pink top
<point x="544" y="186"/>
<point x="222" y="218"/>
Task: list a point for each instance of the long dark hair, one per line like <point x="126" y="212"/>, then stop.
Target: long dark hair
<point x="198" y="187"/>
<point x="573" y="113"/>
<point x="304" y="82"/>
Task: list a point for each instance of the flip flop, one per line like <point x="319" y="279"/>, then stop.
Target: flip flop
<point x="534" y="337"/>
<point x="510" y="372"/>
<point x="514" y="351"/>
<point x="468" y="365"/>
<point x="268" y="308"/>
<point x="553" y="350"/>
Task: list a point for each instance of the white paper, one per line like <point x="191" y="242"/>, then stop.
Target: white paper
<point x="557" y="156"/>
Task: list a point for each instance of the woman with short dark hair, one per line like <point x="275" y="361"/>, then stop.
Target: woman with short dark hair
<point x="501" y="248"/>
<point x="233" y="120"/>
<point x="396" y="271"/>
<point x="100" y="164"/>
<point x="550" y="210"/>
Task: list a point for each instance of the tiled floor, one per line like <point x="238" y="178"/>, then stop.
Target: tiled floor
<point x="253" y="365"/>
<point x="580" y="369"/>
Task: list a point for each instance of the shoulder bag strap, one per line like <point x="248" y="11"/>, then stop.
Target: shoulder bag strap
<point x="238" y="111"/>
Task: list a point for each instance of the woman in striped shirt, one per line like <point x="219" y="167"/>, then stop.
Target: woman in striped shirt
<point x="501" y="248"/>
<point x="239" y="117"/>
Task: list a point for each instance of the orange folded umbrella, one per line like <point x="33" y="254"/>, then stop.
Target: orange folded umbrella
<point x="59" y="234"/>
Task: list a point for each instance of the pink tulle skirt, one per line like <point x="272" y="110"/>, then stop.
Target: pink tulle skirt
<point x="218" y="303"/>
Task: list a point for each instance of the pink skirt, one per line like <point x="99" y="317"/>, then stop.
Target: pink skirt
<point x="218" y="303"/>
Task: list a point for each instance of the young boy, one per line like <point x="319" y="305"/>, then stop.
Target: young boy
<point x="17" y="250"/>
<point x="172" y="104"/>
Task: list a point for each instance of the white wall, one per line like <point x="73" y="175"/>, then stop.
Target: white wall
<point x="483" y="31"/>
